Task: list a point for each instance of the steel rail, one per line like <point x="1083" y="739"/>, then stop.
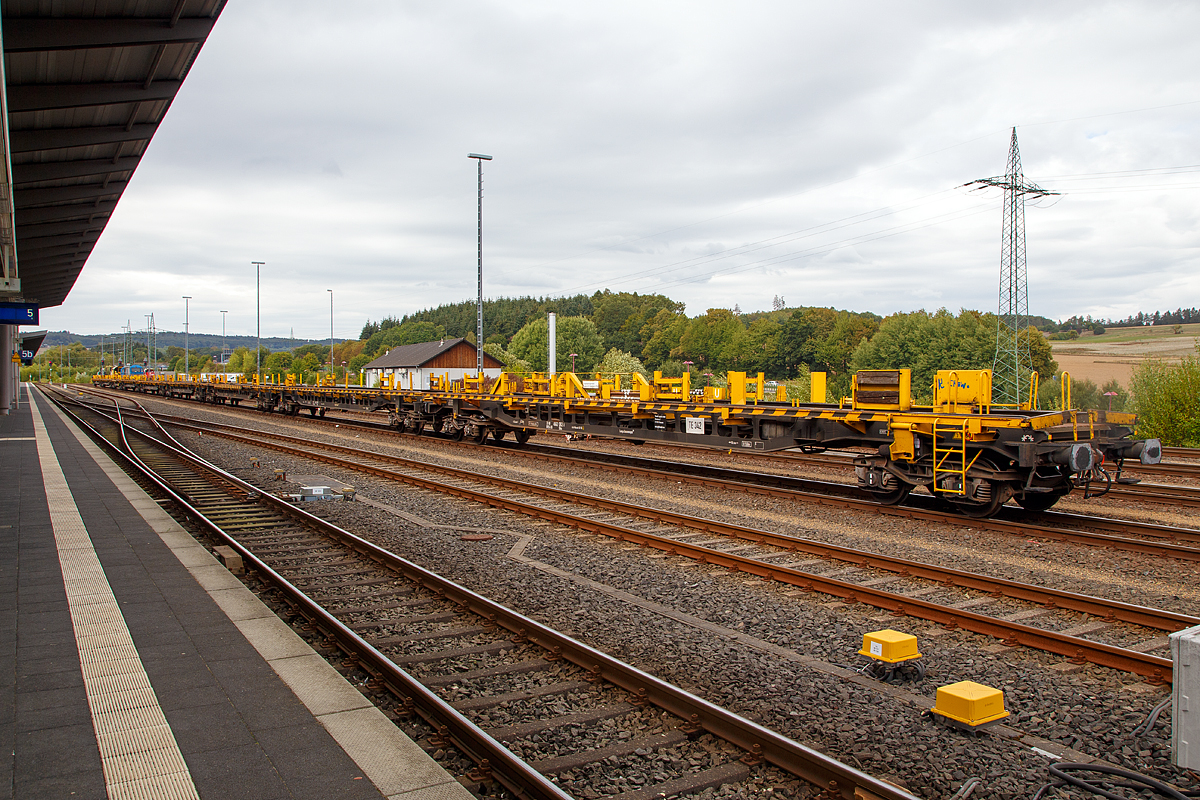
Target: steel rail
<point x="843" y="495"/>
<point x="1111" y="611"/>
<point x="836" y="778"/>
<point x="826" y="459"/>
<point x="804" y="487"/>
<point x="474" y="742"/>
<point x="1161" y="549"/>
<point x="1158" y="493"/>
<point x="1153" y="667"/>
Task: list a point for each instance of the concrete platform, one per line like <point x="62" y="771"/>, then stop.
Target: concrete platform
<point x="132" y="665"/>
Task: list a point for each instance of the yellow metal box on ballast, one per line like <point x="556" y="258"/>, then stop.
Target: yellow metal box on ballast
<point x="889" y="646"/>
<point x="970" y="704"/>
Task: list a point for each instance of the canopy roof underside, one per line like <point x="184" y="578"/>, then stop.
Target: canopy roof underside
<point x="87" y="84"/>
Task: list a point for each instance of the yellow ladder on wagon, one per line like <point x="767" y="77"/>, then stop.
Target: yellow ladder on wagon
<point x="950" y="461"/>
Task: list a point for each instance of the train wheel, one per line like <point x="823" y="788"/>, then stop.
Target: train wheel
<point x="522" y="437"/>
<point x="894" y="497"/>
<point x="988" y="507"/>
<point x="456" y="434"/>
<point x="1041" y="501"/>
<point x="498" y="436"/>
<point x="481" y="436"/>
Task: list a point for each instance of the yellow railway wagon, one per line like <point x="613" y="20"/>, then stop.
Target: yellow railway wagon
<point x="963" y="448"/>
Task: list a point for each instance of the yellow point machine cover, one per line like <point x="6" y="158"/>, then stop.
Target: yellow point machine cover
<point x="889" y="646"/>
<point x="970" y="704"/>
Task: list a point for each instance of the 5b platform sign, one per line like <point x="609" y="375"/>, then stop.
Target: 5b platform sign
<point x="18" y="314"/>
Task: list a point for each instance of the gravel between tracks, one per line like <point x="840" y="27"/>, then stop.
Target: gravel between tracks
<point x="1093" y="710"/>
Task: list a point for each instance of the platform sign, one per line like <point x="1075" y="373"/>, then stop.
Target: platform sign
<point x="27" y="358"/>
<point x="18" y="314"/>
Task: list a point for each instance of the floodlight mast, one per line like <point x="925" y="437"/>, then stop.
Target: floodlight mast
<point x="258" y="265"/>
<point x="479" y="159"/>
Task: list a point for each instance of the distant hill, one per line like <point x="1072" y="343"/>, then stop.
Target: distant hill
<point x="165" y="339"/>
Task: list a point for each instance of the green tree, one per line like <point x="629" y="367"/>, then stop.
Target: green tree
<point x="705" y="339"/>
<point x="321" y="351"/>
<point x="234" y="364"/>
<point x="621" y="362"/>
<point x="278" y="363"/>
<point x="926" y="343"/>
<point x="308" y="363"/>
<point x="574" y="335"/>
<point x="755" y="348"/>
<point x="250" y="364"/>
<point x="1167" y="399"/>
<point x="661" y="335"/>
<point x="511" y="363"/>
<point x="671" y="368"/>
<point x="397" y="336"/>
<point x="1041" y="357"/>
<point x="824" y="340"/>
<point x="620" y="317"/>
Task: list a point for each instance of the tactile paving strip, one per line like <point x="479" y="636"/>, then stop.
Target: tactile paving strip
<point x="137" y="748"/>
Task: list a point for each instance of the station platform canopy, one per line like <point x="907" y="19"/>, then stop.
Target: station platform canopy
<point x="86" y="85"/>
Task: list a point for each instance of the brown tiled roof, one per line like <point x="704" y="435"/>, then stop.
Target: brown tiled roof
<point x="416" y="355"/>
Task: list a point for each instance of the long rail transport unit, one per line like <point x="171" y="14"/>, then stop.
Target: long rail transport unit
<point x="962" y="448"/>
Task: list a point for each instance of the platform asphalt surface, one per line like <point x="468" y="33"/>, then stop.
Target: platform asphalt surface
<point x="230" y="702"/>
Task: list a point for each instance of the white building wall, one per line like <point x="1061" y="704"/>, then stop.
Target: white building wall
<point x="420" y="377"/>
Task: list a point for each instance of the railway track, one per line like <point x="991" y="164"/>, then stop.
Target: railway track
<point x="1154" y="492"/>
<point x="386" y="614"/>
<point x="1158" y="540"/>
<point x="948" y="597"/>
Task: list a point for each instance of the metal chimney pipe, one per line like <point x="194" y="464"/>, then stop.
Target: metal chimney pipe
<point x="552" y="361"/>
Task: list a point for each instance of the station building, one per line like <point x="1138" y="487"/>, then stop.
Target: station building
<point x="420" y="362"/>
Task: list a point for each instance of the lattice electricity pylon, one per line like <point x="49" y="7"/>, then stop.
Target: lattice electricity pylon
<point x="1012" y="363"/>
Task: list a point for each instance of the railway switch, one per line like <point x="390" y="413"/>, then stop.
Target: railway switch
<point x="893" y="655"/>
<point x="969" y="706"/>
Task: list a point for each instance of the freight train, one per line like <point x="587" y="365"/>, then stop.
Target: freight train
<point x="963" y="448"/>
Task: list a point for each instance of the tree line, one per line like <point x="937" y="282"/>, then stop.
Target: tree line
<point x="648" y="332"/>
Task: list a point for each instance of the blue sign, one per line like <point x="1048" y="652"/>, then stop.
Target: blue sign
<point x="19" y="313"/>
<point x="27" y="358"/>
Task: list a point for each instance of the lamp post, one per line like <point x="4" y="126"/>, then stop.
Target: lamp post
<point x="258" y="265"/>
<point x="479" y="159"/>
<point x="147" y="316"/>
<point x="224" y="346"/>
<point x="573" y="362"/>
<point x="187" y="371"/>
<point x="345" y="375"/>
<point x="330" y="329"/>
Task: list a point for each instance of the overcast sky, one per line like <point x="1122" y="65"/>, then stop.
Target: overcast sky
<point x="718" y="153"/>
